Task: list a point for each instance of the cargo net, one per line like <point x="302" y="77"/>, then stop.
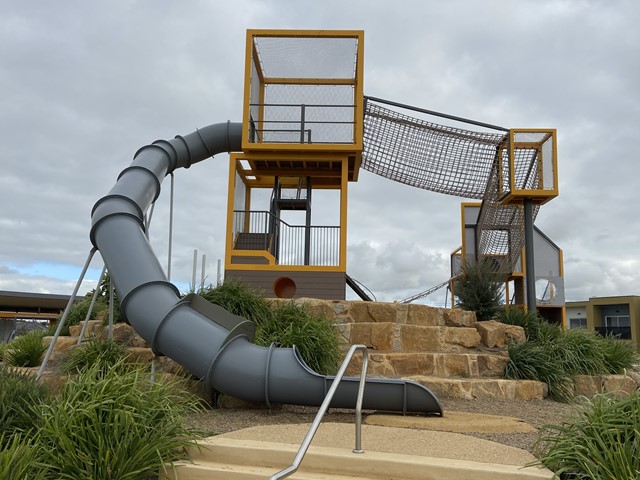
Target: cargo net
<point x="426" y="155"/>
<point x="500" y="232"/>
<point x="452" y="161"/>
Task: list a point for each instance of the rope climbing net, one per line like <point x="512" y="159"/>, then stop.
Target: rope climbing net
<point x="426" y="155"/>
<point x="452" y="161"/>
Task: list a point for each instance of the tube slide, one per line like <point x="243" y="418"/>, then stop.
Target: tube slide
<point x="206" y="339"/>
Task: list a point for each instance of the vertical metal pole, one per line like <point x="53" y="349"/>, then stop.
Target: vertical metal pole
<point x="170" y="230"/>
<point x="65" y="314"/>
<point x="202" y="274"/>
<point x="302" y="120"/>
<point x="111" y="300"/>
<point x="195" y="267"/>
<point x="219" y="277"/>
<point x="529" y="255"/>
<point x="93" y="302"/>
<point x="307" y="227"/>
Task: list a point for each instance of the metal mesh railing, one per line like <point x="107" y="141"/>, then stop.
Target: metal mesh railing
<point x="261" y="230"/>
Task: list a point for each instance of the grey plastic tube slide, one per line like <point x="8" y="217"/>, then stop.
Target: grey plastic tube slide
<point x="208" y="341"/>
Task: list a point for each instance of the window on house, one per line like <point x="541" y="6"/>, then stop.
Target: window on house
<point x="578" y="322"/>
<point x="618" y="321"/>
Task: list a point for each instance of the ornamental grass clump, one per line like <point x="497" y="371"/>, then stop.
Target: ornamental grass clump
<point x="602" y="441"/>
<point x="19" y="459"/>
<point x="26" y="350"/>
<point x="314" y="336"/>
<point x="115" y="424"/>
<point x="239" y="299"/>
<point x="20" y="398"/>
<point x="104" y="353"/>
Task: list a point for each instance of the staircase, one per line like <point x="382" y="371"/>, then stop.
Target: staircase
<point x="446" y="350"/>
<point x="240" y="459"/>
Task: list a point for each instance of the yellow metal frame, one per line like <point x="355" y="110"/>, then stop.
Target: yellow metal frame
<point x="356" y="81"/>
<point x="235" y="166"/>
<point x="538" y="196"/>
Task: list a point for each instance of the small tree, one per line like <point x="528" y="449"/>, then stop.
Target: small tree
<point x="478" y="290"/>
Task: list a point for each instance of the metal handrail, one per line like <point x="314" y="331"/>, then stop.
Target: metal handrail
<point x="325" y="406"/>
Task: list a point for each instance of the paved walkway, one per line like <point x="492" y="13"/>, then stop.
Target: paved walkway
<point x="409" y="436"/>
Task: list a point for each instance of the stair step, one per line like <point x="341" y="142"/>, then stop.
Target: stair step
<point x="436" y="364"/>
<point x="390" y="336"/>
<point x="482" y="388"/>
<point x="235" y="459"/>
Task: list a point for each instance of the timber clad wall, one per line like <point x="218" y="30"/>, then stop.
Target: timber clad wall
<point x="322" y="285"/>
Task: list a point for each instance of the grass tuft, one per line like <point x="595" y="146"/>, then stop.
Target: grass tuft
<point x="20" y="396"/>
<point x="239" y="299"/>
<point x="26" y="350"/>
<point x="601" y="441"/>
<point x="314" y="336"/>
<point x="115" y="424"/>
<point x="107" y="354"/>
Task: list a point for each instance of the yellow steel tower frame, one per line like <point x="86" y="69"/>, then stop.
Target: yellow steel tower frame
<point x="302" y="132"/>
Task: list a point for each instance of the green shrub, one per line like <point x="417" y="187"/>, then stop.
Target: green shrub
<point x="601" y="441"/>
<point x="26" y="350"/>
<point x="20" y="397"/>
<point x="239" y="299"/>
<point x="545" y="332"/>
<point x="580" y="353"/>
<point x="19" y="460"/>
<point x="314" y="336"/>
<point x="3" y="347"/>
<point x="115" y="424"/>
<point x="529" y="321"/>
<point x="532" y="361"/>
<point x="619" y="355"/>
<point x="478" y="291"/>
<point x="107" y="354"/>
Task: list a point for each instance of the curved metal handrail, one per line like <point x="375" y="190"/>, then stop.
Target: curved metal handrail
<point x="325" y="406"/>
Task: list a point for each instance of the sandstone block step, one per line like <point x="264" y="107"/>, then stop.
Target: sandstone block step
<point x="234" y="459"/>
<point x="388" y="336"/>
<point x="437" y="364"/>
<point x="483" y="388"/>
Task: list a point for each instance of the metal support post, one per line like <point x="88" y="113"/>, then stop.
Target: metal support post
<point x="170" y="230"/>
<point x="529" y="255"/>
<point x="65" y="314"/>
<point x="93" y="303"/>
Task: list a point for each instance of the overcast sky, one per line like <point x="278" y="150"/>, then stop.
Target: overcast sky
<point x="85" y="84"/>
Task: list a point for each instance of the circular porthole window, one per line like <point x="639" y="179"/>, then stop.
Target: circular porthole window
<point x="545" y="290"/>
<point x="284" y="287"/>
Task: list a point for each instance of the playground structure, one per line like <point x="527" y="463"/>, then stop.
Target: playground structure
<point x="306" y="131"/>
<point x="308" y="128"/>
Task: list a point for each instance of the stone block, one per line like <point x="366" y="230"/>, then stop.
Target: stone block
<point x="620" y="385"/>
<point x="322" y="308"/>
<point x="139" y="355"/>
<point x="124" y="334"/>
<point x="491" y="365"/>
<point x="462" y="336"/>
<point x="424" y="315"/>
<point x="492" y="333"/>
<point x="419" y="338"/>
<point x="385" y="336"/>
<point x="63" y="345"/>
<point x="361" y="333"/>
<point x="587" y="385"/>
<point x="456" y="317"/>
<point x="93" y="327"/>
<point x="459" y="365"/>
<point x="514" y="334"/>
